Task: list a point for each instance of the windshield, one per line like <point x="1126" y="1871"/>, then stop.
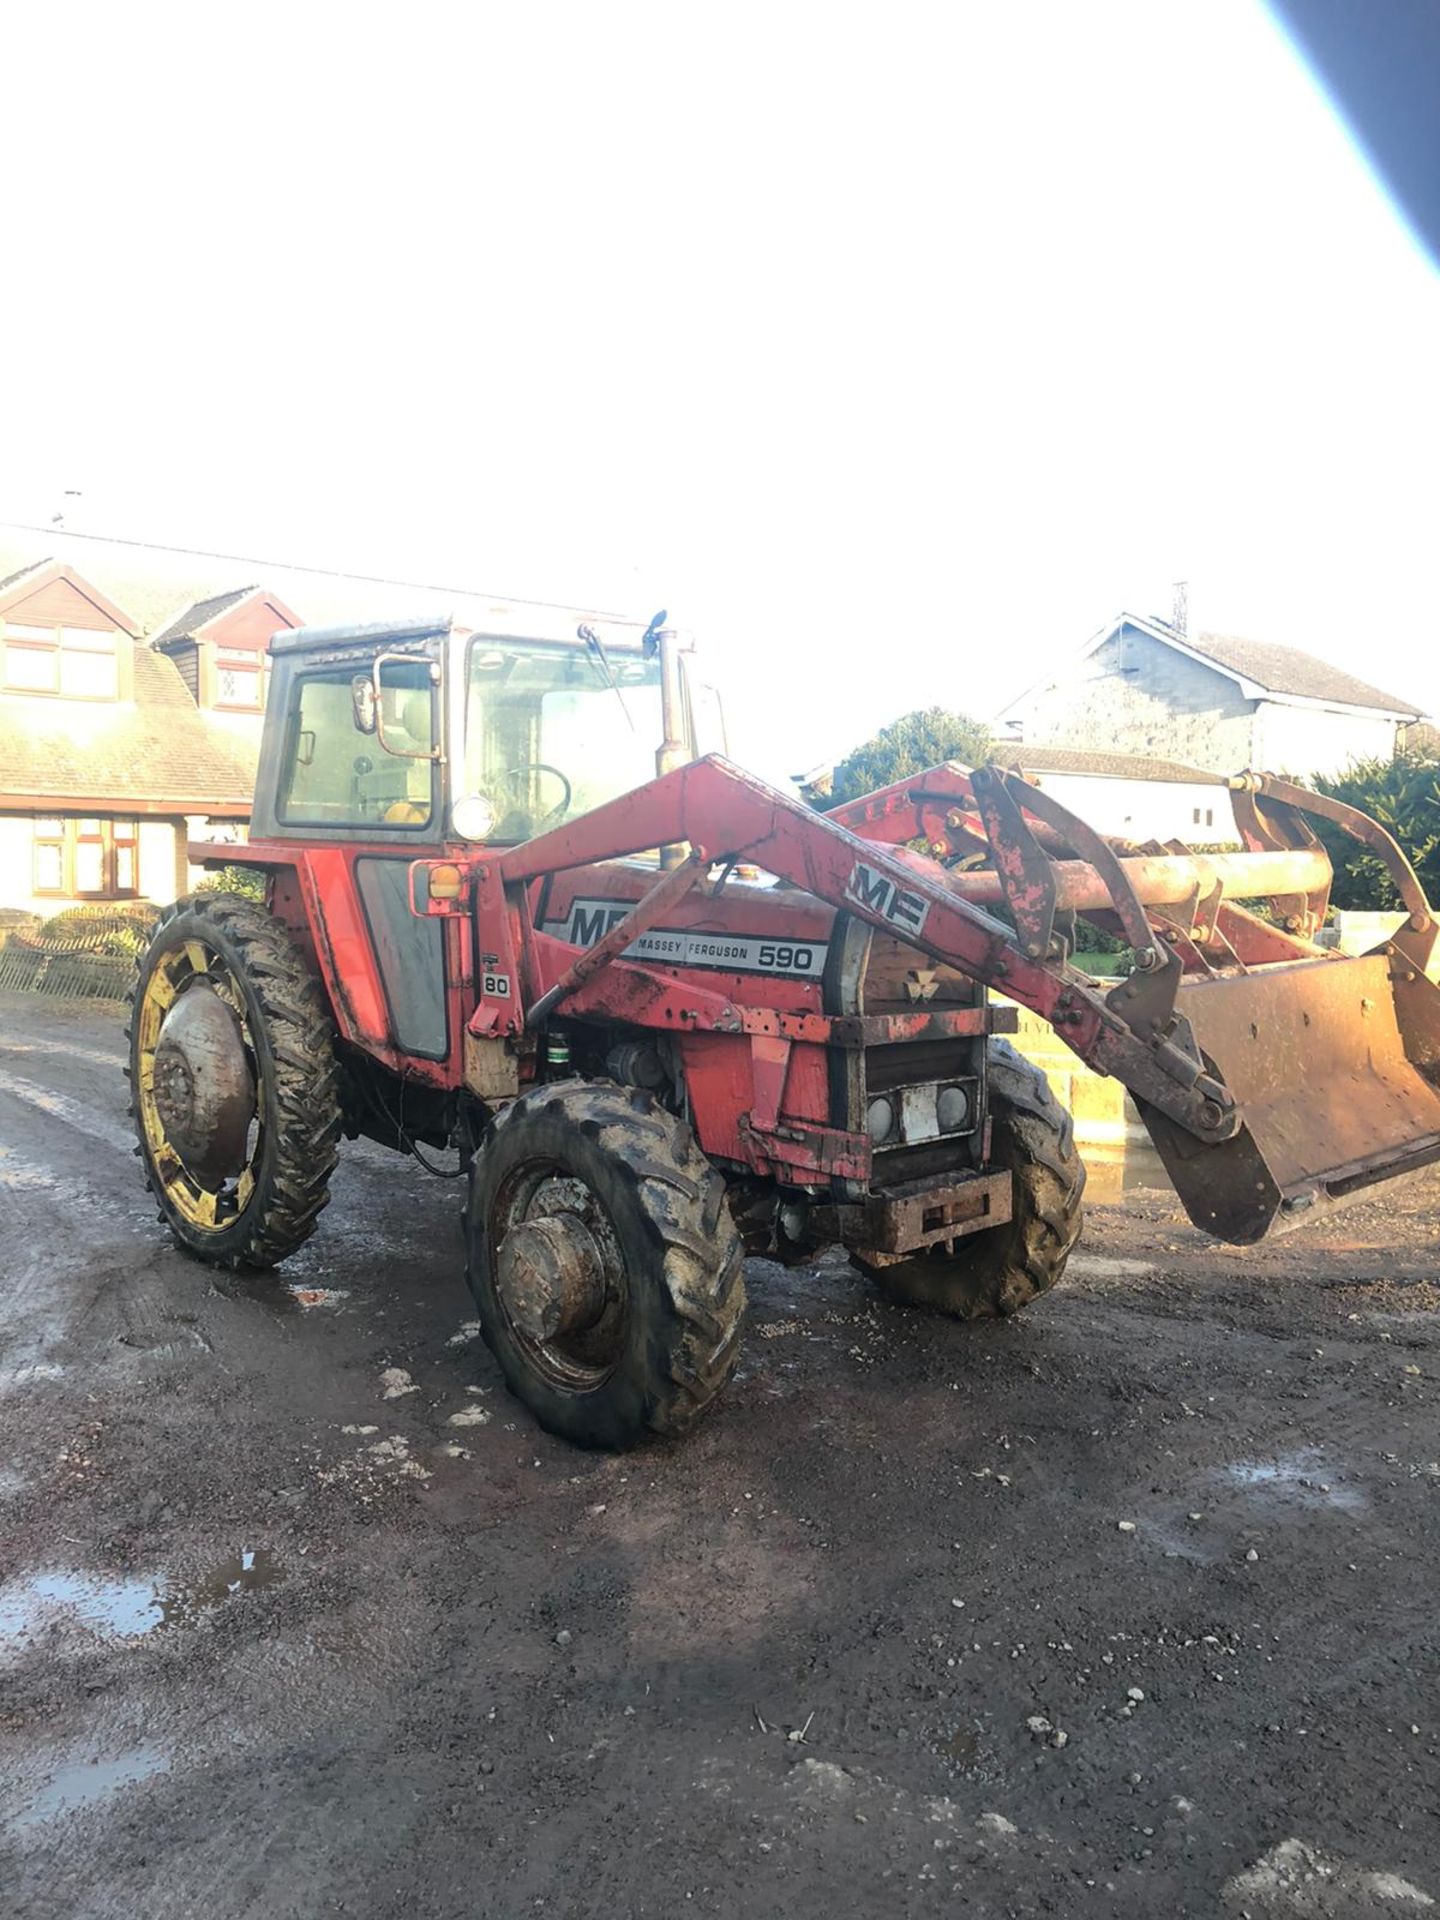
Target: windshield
<point x="548" y="736"/>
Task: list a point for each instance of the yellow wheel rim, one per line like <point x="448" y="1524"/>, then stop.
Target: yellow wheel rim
<point x="207" y="1205"/>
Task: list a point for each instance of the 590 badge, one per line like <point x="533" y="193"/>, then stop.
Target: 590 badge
<point x="591" y="920"/>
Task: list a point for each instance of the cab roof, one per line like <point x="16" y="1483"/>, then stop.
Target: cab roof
<point x="532" y="627"/>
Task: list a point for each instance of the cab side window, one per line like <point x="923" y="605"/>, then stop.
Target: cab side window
<point x="336" y="775"/>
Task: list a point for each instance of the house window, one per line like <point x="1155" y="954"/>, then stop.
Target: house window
<point x="31" y="669"/>
<point x="88" y="668"/>
<point x="49" y="866"/>
<point x="74" y="661"/>
<point x="239" y="679"/>
<point x="92" y="859"/>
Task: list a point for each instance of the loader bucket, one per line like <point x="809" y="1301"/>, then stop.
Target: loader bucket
<point x="1331" y="1099"/>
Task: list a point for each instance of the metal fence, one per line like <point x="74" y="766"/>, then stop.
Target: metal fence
<point x="69" y="976"/>
<point x="80" y="955"/>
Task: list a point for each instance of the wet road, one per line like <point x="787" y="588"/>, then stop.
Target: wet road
<point x="1126" y="1607"/>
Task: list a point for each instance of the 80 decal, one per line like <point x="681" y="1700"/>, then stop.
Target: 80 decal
<point x="495" y="986"/>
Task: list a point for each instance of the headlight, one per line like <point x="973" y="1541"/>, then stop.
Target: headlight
<point x="952" y="1109"/>
<point x="473" y="817"/>
<point x="880" y="1121"/>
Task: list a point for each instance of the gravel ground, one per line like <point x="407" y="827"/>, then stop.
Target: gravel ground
<point x="1126" y="1607"/>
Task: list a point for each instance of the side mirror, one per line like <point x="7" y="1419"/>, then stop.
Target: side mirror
<point x="412" y="698"/>
<point x="365" y="703"/>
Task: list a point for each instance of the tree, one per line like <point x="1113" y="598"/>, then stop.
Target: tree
<point x="1404" y="796"/>
<point x="909" y="745"/>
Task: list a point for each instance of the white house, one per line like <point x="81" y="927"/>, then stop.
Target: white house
<point x="1141" y="687"/>
<point x="1130" y="797"/>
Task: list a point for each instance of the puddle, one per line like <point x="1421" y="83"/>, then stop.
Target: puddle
<point x="1110" y="1181"/>
<point x="959" y="1748"/>
<point x="1302" y="1477"/>
<point x="83" y="1784"/>
<point x="244" y="1572"/>
<point x="121" y="1607"/>
<point x="126" y="1609"/>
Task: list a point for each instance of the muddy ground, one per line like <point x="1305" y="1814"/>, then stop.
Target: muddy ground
<point x="1126" y="1607"/>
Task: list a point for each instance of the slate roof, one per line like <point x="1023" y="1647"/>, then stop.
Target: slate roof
<point x="1113" y="766"/>
<point x="151" y="582"/>
<point x="31" y="566"/>
<point x="1287" y="670"/>
<point x="200" y="613"/>
<point x="155" y="748"/>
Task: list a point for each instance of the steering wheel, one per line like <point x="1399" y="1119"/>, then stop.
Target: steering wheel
<point x="543" y="766"/>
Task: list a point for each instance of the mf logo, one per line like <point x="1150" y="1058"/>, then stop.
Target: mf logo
<point x="877" y="893"/>
<point x="590" y="923"/>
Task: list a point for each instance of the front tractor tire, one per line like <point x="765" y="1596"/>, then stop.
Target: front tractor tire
<point x="604" y="1262"/>
<point x="1002" y="1269"/>
<point x="233" y="1082"/>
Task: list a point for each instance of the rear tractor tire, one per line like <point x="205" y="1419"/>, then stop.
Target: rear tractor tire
<point x="1002" y="1269"/>
<point x="604" y="1262"/>
<point x="233" y="1082"/>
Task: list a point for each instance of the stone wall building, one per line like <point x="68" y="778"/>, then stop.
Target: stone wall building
<point x="1140" y="687"/>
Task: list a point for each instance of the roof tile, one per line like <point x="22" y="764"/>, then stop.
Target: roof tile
<point x="157" y="747"/>
<point x="1287" y="670"/>
<point x="1115" y="766"/>
<point x="198" y="613"/>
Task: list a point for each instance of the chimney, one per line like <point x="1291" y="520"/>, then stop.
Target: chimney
<point x="1180" y="613"/>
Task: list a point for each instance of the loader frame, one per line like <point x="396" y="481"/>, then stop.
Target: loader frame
<point x="1011" y="927"/>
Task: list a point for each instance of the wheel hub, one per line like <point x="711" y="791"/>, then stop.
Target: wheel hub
<point x="551" y="1274"/>
<point x="204" y="1093"/>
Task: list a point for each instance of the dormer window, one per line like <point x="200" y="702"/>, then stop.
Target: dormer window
<point x="78" y="663"/>
<point x="239" y="679"/>
<point x="220" y="647"/>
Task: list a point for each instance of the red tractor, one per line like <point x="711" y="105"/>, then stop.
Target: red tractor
<point x="669" y="1020"/>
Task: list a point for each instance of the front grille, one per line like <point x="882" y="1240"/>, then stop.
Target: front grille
<point x="911" y="1063"/>
<point x="911" y="1074"/>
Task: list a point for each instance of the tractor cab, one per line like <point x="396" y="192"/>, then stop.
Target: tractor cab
<point x="431" y="733"/>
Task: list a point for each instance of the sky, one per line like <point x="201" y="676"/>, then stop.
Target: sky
<point x="893" y="349"/>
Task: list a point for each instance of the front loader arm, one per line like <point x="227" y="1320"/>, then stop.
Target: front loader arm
<point x="725" y="814"/>
<point x="1276" y="1079"/>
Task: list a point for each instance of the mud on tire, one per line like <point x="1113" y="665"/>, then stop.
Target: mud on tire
<point x="999" y="1271"/>
<point x="291" y="1048"/>
<point x="638" y="1173"/>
